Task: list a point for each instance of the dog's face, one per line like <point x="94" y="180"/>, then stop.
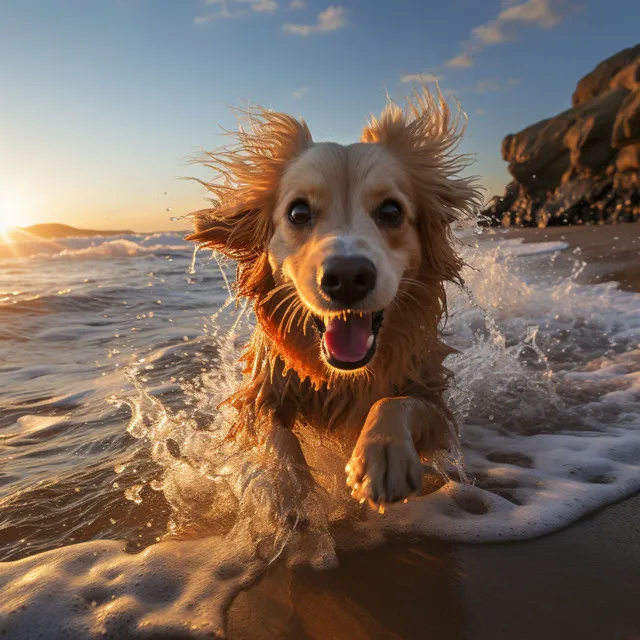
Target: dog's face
<point x="345" y="234"/>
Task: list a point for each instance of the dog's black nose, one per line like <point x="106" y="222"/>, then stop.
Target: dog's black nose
<point x="348" y="280"/>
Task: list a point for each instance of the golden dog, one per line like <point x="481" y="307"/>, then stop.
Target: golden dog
<point x="344" y="252"/>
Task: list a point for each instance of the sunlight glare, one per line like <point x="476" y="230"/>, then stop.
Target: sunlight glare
<point x="13" y="213"/>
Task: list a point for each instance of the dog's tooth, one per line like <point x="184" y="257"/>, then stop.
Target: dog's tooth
<point x="369" y="341"/>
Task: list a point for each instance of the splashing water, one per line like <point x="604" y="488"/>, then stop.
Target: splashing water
<point x="541" y="437"/>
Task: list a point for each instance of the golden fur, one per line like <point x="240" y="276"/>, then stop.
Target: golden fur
<point x="393" y="407"/>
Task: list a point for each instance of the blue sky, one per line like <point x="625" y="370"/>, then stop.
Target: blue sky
<point x="103" y="101"/>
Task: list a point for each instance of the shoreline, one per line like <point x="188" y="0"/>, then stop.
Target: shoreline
<point x="612" y="252"/>
<point x="582" y="581"/>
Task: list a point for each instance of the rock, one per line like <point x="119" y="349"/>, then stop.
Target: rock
<point x="628" y="158"/>
<point x="582" y="165"/>
<point x="499" y="205"/>
<point x="626" y="128"/>
<point x="601" y="78"/>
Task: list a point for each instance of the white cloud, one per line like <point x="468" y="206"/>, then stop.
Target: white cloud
<point x="421" y="77"/>
<point x="490" y="33"/>
<point x="544" y="14"/>
<point x="331" y="19"/>
<point x="222" y="14"/>
<point x="297" y="4"/>
<point x="461" y="61"/>
<point x="298" y="93"/>
<point x="261" y="6"/>
<point x="540" y="14"/>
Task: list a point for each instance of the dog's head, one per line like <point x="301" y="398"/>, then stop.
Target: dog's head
<point x="343" y="236"/>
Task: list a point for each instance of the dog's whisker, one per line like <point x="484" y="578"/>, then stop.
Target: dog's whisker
<point x="410" y="296"/>
<point x="416" y="283"/>
<point x="400" y="304"/>
<point x="285" y="299"/>
<point x="292" y="309"/>
<point x="278" y="289"/>
<point x="283" y="319"/>
<point x="292" y="317"/>
<point x="308" y="316"/>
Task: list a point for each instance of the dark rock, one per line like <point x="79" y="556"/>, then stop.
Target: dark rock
<point x="626" y="128"/>
<point x="582" y="165"/>
<point x="600" y="79"/>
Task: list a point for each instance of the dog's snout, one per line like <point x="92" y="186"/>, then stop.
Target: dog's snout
<point x="348" y="280"/>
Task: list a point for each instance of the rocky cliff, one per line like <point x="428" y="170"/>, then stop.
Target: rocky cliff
<point x="581" y="166"/>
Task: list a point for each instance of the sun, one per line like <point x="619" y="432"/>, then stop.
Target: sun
<point x="5" y="222"/>
<point x="14" y="212"/>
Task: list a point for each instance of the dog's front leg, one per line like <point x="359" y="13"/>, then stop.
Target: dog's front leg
<point x="385" y="465"/>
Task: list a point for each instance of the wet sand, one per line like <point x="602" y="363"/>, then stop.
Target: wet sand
<point x="612" y="252"/>
<point x="581" y="582"/>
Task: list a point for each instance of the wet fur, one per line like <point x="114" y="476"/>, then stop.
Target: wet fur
<point x="392" y="409"/>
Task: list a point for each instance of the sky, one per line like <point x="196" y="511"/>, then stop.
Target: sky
<point x="104" y="102"/>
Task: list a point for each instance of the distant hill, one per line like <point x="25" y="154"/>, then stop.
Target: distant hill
<point x="55" y="230"/>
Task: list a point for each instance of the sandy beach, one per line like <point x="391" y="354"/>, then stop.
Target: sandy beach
<point x="612" y="252"/>
<point x="581" y="582"/>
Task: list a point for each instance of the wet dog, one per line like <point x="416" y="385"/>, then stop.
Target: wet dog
<point x="344" y="252"/>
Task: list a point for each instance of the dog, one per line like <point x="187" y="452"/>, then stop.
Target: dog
<point x="344" y="252"/>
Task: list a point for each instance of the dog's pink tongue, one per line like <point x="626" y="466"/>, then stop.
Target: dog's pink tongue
<point x="349" y="340"/>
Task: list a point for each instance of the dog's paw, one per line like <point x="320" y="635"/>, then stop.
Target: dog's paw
<point x="384" y="469"/>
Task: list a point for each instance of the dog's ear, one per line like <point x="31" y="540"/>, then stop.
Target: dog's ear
<point x="236" y="234"/>
<point x="244" y="191"/>
<point x="424" y="137"/>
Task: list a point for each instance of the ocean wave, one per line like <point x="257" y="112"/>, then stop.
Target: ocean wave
<point x="96" y="248"/>
<point x="518" y="247"/>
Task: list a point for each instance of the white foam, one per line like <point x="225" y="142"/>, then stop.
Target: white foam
<point x="94" y="248"/>
<point x="517" y="247"/>
<point x="95" y="589"/>
<point x="112" y="249"/>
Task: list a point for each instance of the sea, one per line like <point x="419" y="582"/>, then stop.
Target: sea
<point x="124" y="510"/>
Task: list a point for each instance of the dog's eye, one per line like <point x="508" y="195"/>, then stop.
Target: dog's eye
<point x="300" y="213"/>
<point x="388" y="214"/>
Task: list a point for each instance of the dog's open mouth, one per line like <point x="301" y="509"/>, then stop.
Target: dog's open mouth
<point x="349" y="339"/>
